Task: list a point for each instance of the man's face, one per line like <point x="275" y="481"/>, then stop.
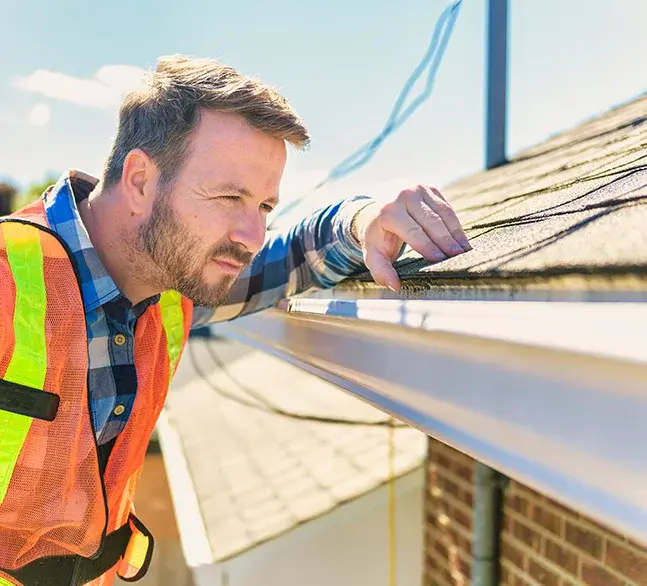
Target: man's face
<point x="208" y="227"/>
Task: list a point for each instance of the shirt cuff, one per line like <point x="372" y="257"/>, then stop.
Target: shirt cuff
<point x="347" y="245"/>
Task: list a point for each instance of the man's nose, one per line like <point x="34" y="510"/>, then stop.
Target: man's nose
<point x="249" y="229"/>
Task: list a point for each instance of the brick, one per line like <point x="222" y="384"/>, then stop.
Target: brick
<point x="431" y="563"/>
<point x="432" y="477"/>
<point x="548" y="520"/>
<point x="464" y="471"/>
<point x="464" y="544"/>
<point x="465" y="568"/>
<point x="441" y="559"/>
<point x="562" y="511"/>
<point x="462" y="518"/>
<point x="594" y="575"/>
<point x="519" y="581"/>
<point x="436" y="576"/>
<point x="519" y="504"/>
<point x="584" y="539"/>
<point x="513" y="554"/>
<point x="440" y="548"/>
<point x="447" y="575"/>
<point x="435" y="573"/>
<point x="627" y="561"/>
<point x="542" y="574"/>
<point x="515" y="579"/>
<point x="529" y="536"/>
<point x="466" y="497"/>
<point x="461" y="542"/>
<point x="443" y="461"/>
<point x="451" y="487"/>
<point x="564" y="558"/>
<point x="432" y="519"/>
<point x="533" y="495"/>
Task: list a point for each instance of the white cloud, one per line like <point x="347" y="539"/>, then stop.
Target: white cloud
<point x="104" y="91"/>
<point x="7" y="120"/>
<point x="39" y="115"/>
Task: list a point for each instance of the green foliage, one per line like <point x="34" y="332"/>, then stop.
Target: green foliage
<point x="34" y="191"/>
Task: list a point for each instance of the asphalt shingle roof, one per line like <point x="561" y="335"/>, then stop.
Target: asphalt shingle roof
<point x="570" y="212"/>
<point x="257" y="474"/>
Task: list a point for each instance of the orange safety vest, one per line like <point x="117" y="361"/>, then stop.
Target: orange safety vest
<point x="53" y="499"/>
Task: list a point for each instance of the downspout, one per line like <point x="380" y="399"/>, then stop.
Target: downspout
<point x="496" y="106"/>
<point x="487" y="524"/>
<point x="488" y="494"/>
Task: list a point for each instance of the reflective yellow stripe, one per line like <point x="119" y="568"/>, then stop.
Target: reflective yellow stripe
<point x="5" y="582"/>
<point x="137" y="550"/>
<point x="173" y="321"/>
<point x="28" y="364"/>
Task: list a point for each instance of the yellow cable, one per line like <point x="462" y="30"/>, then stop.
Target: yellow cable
<point x="391" y="512"/>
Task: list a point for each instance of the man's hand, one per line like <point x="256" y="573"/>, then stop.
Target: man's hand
<point x="422" y="218"/>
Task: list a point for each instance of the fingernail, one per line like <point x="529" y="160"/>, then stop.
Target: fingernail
<point x="456" y="249"/>
<point x="465" y="243"/>
<point x="391" y="285"/>
<point x="439" y="255"/>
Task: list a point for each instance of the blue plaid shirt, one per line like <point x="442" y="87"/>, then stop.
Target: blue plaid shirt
<point x="317" y="253"/>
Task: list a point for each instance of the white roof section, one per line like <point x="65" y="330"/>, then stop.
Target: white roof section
<point x="244" y="476"/>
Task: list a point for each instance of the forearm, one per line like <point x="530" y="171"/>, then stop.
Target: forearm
<point x="317" y="253"/>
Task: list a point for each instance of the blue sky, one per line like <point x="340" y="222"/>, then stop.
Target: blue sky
<point x="340" y="62"/>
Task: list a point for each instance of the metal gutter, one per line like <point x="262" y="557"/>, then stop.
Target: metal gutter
<point x="553" y="395"/>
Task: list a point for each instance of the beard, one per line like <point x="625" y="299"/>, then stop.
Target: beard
<point x="178" y="262"/>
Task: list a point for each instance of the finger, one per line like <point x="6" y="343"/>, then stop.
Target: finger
<point x="381" y="268"/>
<point x="436" y="192"/>
<point x="440" y="205"/>
<point x="433" y="225"/>
<point x="399" y="222"/>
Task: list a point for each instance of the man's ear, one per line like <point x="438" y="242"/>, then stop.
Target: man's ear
<point x="139" y="182"/>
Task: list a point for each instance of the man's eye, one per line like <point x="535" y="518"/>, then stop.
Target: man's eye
<point x="267" y="208"/>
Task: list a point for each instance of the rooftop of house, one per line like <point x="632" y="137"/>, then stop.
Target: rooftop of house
<point x="568" y="214"/>
<point x="258" y="474"/>
<point x="565" y="218"/>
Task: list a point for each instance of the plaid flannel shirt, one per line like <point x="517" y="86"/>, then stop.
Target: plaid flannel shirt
<point x="316" y="253"/>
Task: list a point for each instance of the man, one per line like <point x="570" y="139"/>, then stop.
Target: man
<point x="101" y="281"/>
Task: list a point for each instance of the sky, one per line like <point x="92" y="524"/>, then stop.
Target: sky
<point x="341" y="63"/>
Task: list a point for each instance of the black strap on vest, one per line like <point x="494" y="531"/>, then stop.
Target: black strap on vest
<point x="74" y="570"/>
<point x="28" y="401"/>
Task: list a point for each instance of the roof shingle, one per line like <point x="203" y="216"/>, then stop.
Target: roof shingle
<point x="574" y="206"/>
<point x="257" y="474"/>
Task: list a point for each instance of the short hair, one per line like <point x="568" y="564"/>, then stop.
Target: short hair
<point x="159" y="118"/>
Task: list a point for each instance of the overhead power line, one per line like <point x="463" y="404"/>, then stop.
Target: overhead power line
<point x="404" y="106"/>
<point x="261" y="403"/>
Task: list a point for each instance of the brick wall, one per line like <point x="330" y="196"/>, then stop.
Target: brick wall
<point x="448" y="512"/>
<point x="543" y="543"/>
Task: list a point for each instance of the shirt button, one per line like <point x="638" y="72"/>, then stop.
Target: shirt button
<point x="119" y="409"/>
<point x="120" y="339"/>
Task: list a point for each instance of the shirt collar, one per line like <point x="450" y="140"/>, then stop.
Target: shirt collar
<point x="61" y="205"/>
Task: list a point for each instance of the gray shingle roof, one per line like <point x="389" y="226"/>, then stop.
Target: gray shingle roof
<point x="569" y="212"/>
<point x="257" y="474"/>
